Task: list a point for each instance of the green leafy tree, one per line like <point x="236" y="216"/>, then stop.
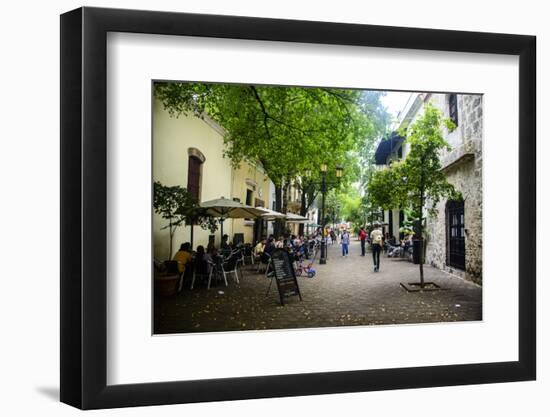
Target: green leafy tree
<point x="289" y="130"/>
<point x="176" y="205"/>
<point x="352" y="209"/>
<point x="379" y="126"/>
<point x="371" y="210"/>
<point x="345" y="204"/>
<point x="333" y="207"/>
<point x="417" y="182"/>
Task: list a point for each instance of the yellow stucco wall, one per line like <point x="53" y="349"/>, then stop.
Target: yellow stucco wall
<point x="172" y="137"/>
<point x="249" y="177"/>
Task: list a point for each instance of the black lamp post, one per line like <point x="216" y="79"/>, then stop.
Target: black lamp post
<point x="324" y="169"/>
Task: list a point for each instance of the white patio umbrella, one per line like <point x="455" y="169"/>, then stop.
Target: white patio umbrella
<point x="225" y="208"/>
<point x="296" y="218"/>
<point x="270" y="215"/>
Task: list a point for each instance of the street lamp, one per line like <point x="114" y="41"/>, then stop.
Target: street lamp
<point x="324" y="169"/>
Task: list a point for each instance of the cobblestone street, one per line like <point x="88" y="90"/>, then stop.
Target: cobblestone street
<point x="344" y="292"/>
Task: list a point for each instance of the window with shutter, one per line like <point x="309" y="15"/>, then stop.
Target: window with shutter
<point x="194" y="177"/>
<point x="453" y="108"/>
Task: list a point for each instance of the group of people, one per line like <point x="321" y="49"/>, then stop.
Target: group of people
<point x="203" y="258"/>
<point x="185" y="256"/>
<point x="292" y="243"/>
<point x="399" y="248"/>
<point x="376" y="241"/>
<point x="385" y="243"/>
<point x="300" y="245"/>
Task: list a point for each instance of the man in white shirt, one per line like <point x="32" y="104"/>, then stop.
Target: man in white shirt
<point x="377" y="241"/>
<point x="345" y="243"/>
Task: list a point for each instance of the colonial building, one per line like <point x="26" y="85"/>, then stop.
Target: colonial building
<point x="189" y="151"/>
<point x="391" y="149"/>
<point x="250" y="185"/>
<point x="293" y="196"/>
<point x="454" y="233"/>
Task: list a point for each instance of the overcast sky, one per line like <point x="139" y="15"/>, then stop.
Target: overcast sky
<point x="395" y="101"/>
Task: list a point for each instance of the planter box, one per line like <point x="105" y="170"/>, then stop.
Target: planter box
<point x="418" y="247"/>
<point x="166" y="285"/>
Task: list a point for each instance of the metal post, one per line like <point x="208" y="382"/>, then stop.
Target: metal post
<point x="323" y="259"/>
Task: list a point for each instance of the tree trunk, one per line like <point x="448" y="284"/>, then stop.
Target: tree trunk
<point x="421" y="238"/>
<point x="171" y="233"/>
<point x="421" y="264"/>
<point x="278" y="224"/>
<point x="286" y="187"/>
<point x="191" y="237"/>
<point x="285" y="196"/>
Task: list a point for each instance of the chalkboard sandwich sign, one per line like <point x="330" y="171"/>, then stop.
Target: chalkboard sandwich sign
<point x="285" y="276"/>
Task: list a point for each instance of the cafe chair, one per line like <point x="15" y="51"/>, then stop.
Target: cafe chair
<point x="248" y="253"/>
<point x="203" y="269"/>
<point x="265" y="259"/>
<point x="171" y="267"/>
<point x="239" y="254"/>
<point x="216" y="269"/>
<point x="230" y="266"/>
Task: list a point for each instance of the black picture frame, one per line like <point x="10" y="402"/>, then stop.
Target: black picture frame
<point x="84" y="207"/>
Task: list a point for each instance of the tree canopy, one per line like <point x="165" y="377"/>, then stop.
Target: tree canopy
<point x="418" y="179"/>
<point x="288" y="129"/>
<point x="291" y="131"/>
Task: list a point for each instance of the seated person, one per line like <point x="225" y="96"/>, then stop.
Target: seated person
<point x="200" y="253"/>
<point x="259" y="248"/>
<point x="211" y="253"/>
<point x="183" y="256"/>
<point x="202" y="267"/>
<point x="270" y="246"/>
<point x="406" y="244"/>
<point x="211" y="247"/>
<point x="225" y="243"/>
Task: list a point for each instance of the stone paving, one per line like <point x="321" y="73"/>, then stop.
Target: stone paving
<point x="344" y="292"/>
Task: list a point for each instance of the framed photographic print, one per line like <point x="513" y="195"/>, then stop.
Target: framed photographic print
<point x="257" y="208"/>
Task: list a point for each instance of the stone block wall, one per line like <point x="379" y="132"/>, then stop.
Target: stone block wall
<point x="463" y="167"/>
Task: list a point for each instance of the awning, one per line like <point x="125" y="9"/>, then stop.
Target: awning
<point x="386" y="147"/>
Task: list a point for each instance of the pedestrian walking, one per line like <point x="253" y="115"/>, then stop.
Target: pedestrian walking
<point x="333" y="238"/>
<point x="345" y="243"/>
<point x="362" y="239"/>
<point x="376" y="237"/>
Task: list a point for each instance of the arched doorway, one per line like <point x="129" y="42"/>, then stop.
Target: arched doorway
<point x="194" y="172"/>
<point x="456" y="247"/>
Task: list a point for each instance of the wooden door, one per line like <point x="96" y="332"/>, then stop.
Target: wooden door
<point x="194" y="177"/>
